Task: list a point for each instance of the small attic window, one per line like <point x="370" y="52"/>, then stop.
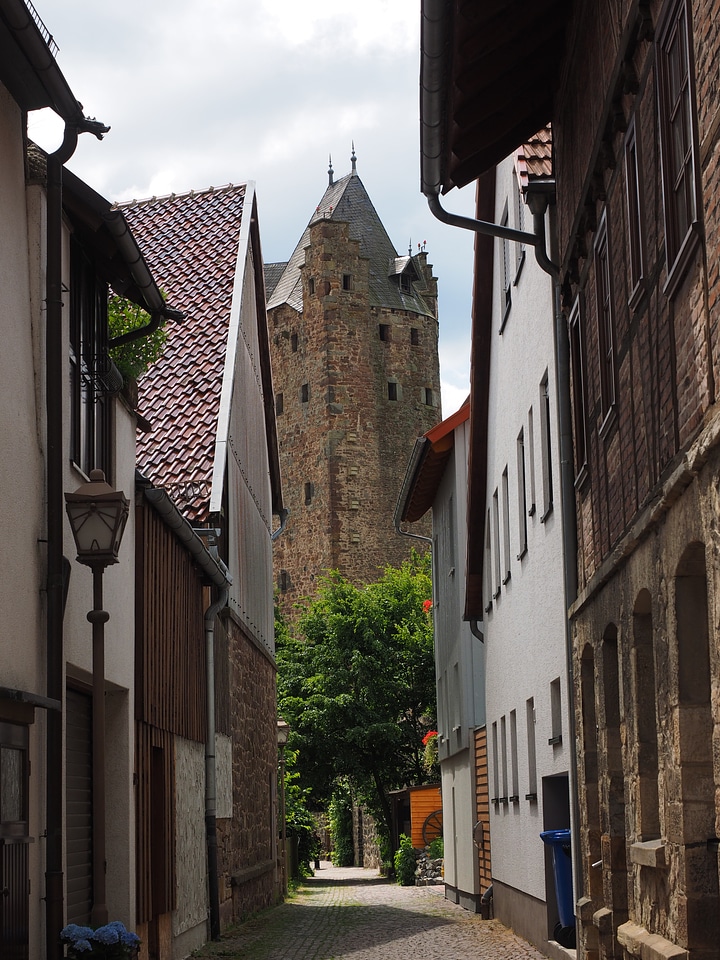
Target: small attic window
<point x="405" y="282"/>
<point x="347" y="281"/>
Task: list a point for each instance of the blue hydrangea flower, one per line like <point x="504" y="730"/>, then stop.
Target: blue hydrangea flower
<point x="82" y="946"/>
<point x="106" y="935"/>
<point x="130" y="939"/>
<point x="74" y="931"/>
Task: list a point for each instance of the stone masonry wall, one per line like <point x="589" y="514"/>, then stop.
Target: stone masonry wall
<point x="247" y="842"/>
<point x="647" y="666"/>
<point x="344" y="443"/>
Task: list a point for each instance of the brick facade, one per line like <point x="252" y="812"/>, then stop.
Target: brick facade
<point x="356" y="383"/>
<point x="644" y="623"/>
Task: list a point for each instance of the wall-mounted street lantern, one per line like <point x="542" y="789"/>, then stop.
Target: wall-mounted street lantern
<point x="283" y="732"/>
<point x="97" y="516"/>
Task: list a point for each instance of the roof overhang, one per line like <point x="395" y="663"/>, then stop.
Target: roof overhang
<point x="27" y="66"/>
<point x="427" y="466"/>
<point x="488" y="76"/>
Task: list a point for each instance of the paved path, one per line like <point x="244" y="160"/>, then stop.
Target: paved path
<point x="346" y="912"/>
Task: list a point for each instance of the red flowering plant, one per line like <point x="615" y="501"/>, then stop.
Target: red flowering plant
<point x="427" y="606"/>
<point x="431" y="761"/>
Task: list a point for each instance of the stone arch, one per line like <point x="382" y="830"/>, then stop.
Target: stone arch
<point x="612" y="814"/>
<point x="692" y="800"/>
<point x="590" y="781"/>
<point x="644" y="692"/>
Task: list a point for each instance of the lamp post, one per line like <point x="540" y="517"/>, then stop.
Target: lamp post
<point x="97" y="516"/>
<point x="283" y="731"/>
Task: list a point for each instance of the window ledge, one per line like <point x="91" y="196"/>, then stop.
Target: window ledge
<point x="649" y="853"/>
<point x="555" y="741"/>
<point x="609" y="422"/>
<point x="678" y="270"/>
<point x="547" y="513"/>
<point x="583" y="475"/>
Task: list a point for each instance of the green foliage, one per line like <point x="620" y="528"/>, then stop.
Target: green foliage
<point x="405" y="862"/>
<point x="341" y="827"/>
<point x="357" y="685"/>
<point x="133" y="359"/>
<point x="299" y="821"/>
<point x="436" y="849"/>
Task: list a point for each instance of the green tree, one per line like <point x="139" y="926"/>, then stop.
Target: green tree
<point x="356" y="683"/>
<point x="133" y="359"/>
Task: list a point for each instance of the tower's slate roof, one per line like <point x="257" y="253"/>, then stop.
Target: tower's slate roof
<point x="191" y="243"/>
<point x="347" y="200"/>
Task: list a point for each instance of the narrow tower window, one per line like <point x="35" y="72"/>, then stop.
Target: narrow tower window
<point x="392" y="390"/>
<point x="305" y="393"/>
<point x="414" y="336"/>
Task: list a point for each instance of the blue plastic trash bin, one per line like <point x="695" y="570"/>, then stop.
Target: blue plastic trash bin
<point x="559" y="842"/>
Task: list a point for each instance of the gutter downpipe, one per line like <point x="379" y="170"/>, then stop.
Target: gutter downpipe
<point x="211" y="764"/>
<point x="54" y="880"/>
<point x="210" y="756"/>
<point x="56" y="579"/>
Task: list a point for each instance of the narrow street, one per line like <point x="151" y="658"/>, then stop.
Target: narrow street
<point x="349" y="912"/>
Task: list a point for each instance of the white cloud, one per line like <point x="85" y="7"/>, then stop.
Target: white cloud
<point x="233" y="90"/>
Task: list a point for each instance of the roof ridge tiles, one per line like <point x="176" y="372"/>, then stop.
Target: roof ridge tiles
<point x="207" y="191"/>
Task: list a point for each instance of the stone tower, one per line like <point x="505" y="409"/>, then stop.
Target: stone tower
<point x="354" y="346"/>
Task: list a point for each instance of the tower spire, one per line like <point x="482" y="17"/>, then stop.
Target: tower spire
<point x="353" y="160"/>
<point x="330" y="171"/>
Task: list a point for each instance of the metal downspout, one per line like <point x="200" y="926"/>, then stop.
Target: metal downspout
<point x="569" y="528"/>
<point x="211" y="764"/>
<point x="55" y="656"/>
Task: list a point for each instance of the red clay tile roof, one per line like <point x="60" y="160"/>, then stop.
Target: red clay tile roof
<point x="534" y="158"/>
<point x="190" y="243"/>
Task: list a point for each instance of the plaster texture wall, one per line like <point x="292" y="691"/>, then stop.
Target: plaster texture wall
<point x="459" y="669"/>
<point x="191" y="863"/>
<point x="525" y="640"/>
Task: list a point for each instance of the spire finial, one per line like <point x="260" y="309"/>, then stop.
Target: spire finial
<point x="410" y="247"/>
<point x="353" y="160"/>
<point x="330" y="171"/>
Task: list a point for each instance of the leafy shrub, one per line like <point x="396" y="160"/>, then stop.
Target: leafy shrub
<point x="405" y="862"/>
<point x="341" y="827"/>
<point x="436" y="849"/>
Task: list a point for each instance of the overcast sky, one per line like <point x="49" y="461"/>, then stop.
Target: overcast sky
<point x="210" y="92"/>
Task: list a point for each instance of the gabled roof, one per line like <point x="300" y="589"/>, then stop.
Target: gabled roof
<point x="488" y="76"/>
<point x="427" y="466"/>
<point x="347" y="200"/>
<point x="196" y="246"/>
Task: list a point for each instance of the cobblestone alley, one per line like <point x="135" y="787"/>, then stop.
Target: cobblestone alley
<point x="348" y="912"/>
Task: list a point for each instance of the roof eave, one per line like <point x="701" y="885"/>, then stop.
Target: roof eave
<point x="28" y="67"/>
